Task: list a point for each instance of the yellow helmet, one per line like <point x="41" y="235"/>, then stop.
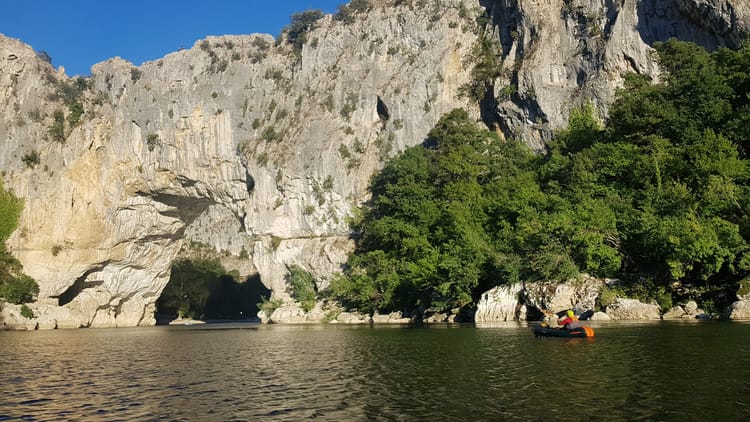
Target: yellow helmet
<point x="570" y="313"/>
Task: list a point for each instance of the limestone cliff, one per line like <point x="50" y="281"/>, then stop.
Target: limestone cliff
<point x="556" y="54"/>
<point x="262" y="150"/>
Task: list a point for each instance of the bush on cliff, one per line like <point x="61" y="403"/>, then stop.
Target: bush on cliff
<point x="15" y="286"/>
<point x="303" y="287"/>
<point x="301" y="23"/>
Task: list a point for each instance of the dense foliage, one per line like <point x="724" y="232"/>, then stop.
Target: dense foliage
<point x="10" y="210"/>
<point x="658" y="197"/>
<point x="303" y="287"/>
<point x="15" y="286"/>
<point x="202" y="288"/>
<point x="347" y="11"/>
<point x="301" y="23"/>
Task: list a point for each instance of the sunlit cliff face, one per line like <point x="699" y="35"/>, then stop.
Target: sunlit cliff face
<point x="262" y="151"/>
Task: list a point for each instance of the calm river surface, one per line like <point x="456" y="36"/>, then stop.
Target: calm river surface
<point x="661" y="371"/>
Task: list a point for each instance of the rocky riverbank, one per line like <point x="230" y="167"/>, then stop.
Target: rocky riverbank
<point x="589" y="297"/>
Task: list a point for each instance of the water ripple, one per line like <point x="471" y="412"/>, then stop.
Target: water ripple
<point x="640" y="372"/>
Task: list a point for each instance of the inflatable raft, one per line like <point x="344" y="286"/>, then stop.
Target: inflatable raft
<point x="541" y="331"/>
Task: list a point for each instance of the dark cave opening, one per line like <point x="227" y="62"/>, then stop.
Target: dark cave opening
<point x="382" y="109"/>
<point x="201" y="289"/>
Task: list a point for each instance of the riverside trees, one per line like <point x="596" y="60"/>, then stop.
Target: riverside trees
<point x="658" y="196"/>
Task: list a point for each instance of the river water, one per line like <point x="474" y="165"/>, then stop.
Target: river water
<point x="659" y="371"/>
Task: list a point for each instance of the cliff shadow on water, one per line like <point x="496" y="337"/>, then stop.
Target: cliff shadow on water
<point x="202" y="289"/>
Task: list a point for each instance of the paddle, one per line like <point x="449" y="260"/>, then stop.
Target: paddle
<point x="547" y="313"/>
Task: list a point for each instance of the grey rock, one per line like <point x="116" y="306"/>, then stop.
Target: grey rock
<point x="438" y="317"/>
<point x="499" y="304"/>
<point x="352" y="318"/>
<point x="579" y="294"/>
<point x="691" y="308"/>
<point x="288" y="314"/>
<point x="633" y="309"/>
<point x="392" y="318"/>
<point x="739" y="310"/>
<point x="676" y="312"/>
<point x="12" y="320"/>
<point x="600" y="316"/>
<point x="689" y="311"/>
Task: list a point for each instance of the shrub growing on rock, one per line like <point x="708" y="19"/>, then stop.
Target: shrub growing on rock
<point x="301" y="24"/>
<point x="303" y="287"/>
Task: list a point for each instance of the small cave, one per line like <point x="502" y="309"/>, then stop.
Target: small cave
<point x="202" y="289"/>
<point x="383" y="112"/>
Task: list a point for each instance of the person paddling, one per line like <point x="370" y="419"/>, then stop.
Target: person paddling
<point x="570" y="321"/>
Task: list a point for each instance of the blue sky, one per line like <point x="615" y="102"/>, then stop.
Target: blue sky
<point x="79" y="33"/>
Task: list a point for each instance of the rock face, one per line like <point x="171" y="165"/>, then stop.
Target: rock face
<point x="689" y="311"/>
<point x="501" y="303"/>
<point x="527" y="301"/>
<point x="632" y="309"/>
<point x="557" y="53"/>
<point x="577" y="294"/>
<point x="739" y="310"/>
<point x="262" y="151"/>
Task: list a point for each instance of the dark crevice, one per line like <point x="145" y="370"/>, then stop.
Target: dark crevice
<point x="249" y="181"/>
<point x="383" y="110"/>
<point x="80" y="284"/>
<point x="507" y="20"/>
<point x="612" y="14"/>
<point x="632" y="63"/>
<point x="155" y="238"/>
<point x="183" y="208"/>
<point x="488" y="108"/>
<point x="581" y="77"/>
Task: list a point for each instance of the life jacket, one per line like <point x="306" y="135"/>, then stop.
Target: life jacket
<point x="570" y="322"/>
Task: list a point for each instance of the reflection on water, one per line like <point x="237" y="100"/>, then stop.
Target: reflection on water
<point x="664" y="371"/>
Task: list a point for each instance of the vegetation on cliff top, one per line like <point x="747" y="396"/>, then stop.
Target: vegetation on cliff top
<point x="659" y="197"/>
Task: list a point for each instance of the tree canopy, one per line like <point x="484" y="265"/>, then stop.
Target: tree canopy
<point x="657" y="196"/>
<point x="301" y="23"/>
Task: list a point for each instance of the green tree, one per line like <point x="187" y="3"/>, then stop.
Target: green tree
<point x="347" y="12"/>
<point x="301" y="23"/>
<point x="10" y="211"/>
<point x="422" y="238"/>
<point x="303" y="287"/>
<point x="57" y="130"/>
<point x="15" y="286"/>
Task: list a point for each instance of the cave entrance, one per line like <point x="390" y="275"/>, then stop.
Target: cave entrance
<point x="202" y="289"/>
